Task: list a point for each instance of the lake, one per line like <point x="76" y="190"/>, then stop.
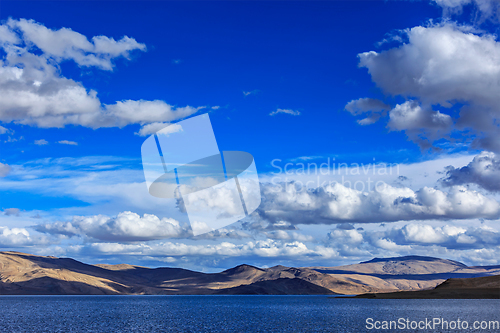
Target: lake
<point x="233" y="313"/>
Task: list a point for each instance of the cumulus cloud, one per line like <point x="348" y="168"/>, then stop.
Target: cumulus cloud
<point x="484" y="170"/>
<point x="224" y="233"/>
<point x="262" y="248"/>
<point x="66" y="142"/>
<point x="346" y="236"/>
<point x="41" y="142"/>
<point x="417" y="238"/>
<point x="448" y="236"/>
<point x="339" y="204"/>
<point x="285" y="111"/>
<point x="442" y="65"/>
<point x="374" y="107"/>
<point x="33" y="91"/>
<point x="15" y="237"/>
<point x="284" y="235"/>
<point x="420" y="124"/>
<point x="4" y="169"/>
<point x="3" y="130"/>
<point x="66" y="44"/>
<point x="126" y="226"/>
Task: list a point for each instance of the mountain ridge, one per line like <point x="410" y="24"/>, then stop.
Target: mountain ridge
<point x="413" y="257"/>
<point x="22" y="273"/>
<point x="486" y="287"/>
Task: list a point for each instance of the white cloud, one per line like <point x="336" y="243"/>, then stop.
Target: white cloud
<point x="452" y="6"/>
<point x="144" y="112"/>
<point x="423" y="234"/>
<point x="337" y="204"/>
<point x="66" y="44"/>
<point x="224" y="233"/>
<point x="14" y="237"/>
<point x="33" y="91"/>
<point x="374" y="107"/>
<point x="4" y="169"/>
<point x="326" y="170"/>
<point x="20" y="237"/>
<point x="448" y="241"/>
<point x="8" y="36"/>
<point x="12" y="211"/>
<point x="263" y="248"/>
<point x="284" y="235"/>
<point x="487" y="8"/>
<point x="447" y="236"/>
<point x="459" y="241"/>
<point x="446" y="65"/>
<point x="345" y="236"/>
<point x="484" y="170"/>
<point x="108" y="184"/>
<point x="410" y="116"/>
<point x="66" y="142"/>
<point x="126" y="226"/>
<point x="3" y="130"/>
<point x="388" y="244"/>
<point x="420" y="124"/>
<point x="285" y="111"/>
<point x="41" y="142"/>
<point x="165" y="128"/>
<point x="252" y="92"/>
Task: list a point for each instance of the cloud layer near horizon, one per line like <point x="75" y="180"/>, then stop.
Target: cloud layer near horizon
<point x="339" y="204"/>
<point x="125" y="227"/>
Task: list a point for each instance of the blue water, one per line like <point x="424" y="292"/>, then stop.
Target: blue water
<point x="228" y="313"/>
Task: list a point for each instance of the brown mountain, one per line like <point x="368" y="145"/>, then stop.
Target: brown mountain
<point x="405" y="273"/>
<point x="281" y="286"/>
<point x="465" y="288"/>
<point x="22" y="273"/>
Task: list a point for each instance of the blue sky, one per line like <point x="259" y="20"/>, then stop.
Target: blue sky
<point x="241" y="62"/>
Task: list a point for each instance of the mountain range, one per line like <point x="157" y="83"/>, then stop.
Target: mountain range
<point x="469" y="288"/>
<point x="26" y="274"/>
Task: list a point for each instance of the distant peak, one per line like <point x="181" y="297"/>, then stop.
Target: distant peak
<point x="410" y="258"/>
<point x="280" y="267"/>
<point x="242" y="268"/>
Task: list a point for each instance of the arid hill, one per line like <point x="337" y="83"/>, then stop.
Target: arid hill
<point x="22" y="273"/>
<point x="465" y="288"/>
<point x="405" y="273"/>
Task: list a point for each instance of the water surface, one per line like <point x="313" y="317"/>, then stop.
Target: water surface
<point x="227" y="313"/>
